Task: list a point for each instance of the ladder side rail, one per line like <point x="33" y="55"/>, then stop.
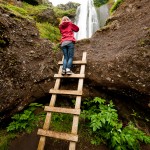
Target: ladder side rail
<point x="52" y="102"/>
<point x="49" y="114"/>
<point x="72" y="145"/>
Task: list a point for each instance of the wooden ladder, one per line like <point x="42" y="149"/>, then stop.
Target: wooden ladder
<point x="72" y="137"/>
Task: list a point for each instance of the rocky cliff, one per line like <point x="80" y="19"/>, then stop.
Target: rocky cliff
<point x="118" y="54"/>
<point x="27" y="63"/>
<point x="119" y="57"/>
<point x="118" y="60"/>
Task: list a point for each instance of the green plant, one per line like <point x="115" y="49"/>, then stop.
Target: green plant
<point x="61" y="122"/>
<point x="60" y="13"/>
<point x="28" y="11"/>
<point x="106" y="127"/>
<point x="98" y="3"/>
<point x="115" y="5"/>
<point x="48" y="31"/>
<point x="2" y="42"/>
<point x="25" y="121"/>
<point x="144" y="42"/>
<point x="18" y="11"/>
<point x="5" y="139"/>
<point x="34" y="10"/>
<point x="56" y="47"/>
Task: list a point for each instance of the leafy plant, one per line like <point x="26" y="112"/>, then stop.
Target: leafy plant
<point x="116" y="5"/>
<point x="25" y="121"/>
<point x="106" y="127"/>
<point x="48" y="31"/>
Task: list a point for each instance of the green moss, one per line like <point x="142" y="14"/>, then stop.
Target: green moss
<point x="144" y="42"/>
<point x="116" y="5"/>
<point x="56" y="47"/>
<point x="61" y="122"/>
<point x="2" y="42"/>
<point x="48" y="31"/>
<point x="26" y="11"/>
<point x="5" y="139"/>
<point x="18" y="11"/>
<point x="34" y="10"/>
<point x="60" y="13"/>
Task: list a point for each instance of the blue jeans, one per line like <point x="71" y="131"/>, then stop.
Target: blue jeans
<point x="68" y="51"/>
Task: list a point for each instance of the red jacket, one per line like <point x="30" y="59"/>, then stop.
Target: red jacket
<point x="67" y="30"/>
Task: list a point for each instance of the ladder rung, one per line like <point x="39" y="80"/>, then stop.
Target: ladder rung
<point x="58" y="135"/>
<point x="67" y="92"/>
<point x="77" y="62"/>
<point x="63" y="110"/>
<point x="70" y="76"/>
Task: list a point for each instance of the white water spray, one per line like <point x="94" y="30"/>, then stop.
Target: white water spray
<point x="89" y="19"/>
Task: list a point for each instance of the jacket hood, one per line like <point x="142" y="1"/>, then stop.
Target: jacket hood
<point x="64" y="25"/>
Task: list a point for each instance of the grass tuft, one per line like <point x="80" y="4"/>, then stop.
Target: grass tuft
<point x="115" y="6"/>
<point x="48" y="31"/>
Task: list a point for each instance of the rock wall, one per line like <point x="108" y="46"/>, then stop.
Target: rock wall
<point x="27" y="63"/>
<point x="118" y="54"/>
<point x="118" y="60"/>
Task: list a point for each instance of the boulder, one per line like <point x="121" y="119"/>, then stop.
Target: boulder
<point x="69" y="5"/>
<point x="70" y="9"/>
<point x="119" y="56"/>
<point x="27" y="62"/>
<point x="47" y="15"/>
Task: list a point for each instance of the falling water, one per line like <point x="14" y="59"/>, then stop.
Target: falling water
<point x="89" y="19"/>
<point x="82" y="20"/>
<point x="103" y="14"/>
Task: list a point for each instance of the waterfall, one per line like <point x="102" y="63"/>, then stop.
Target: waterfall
<point x="89" y="19"/>
<point x="103" y="14"/>
<point x="81" y="20"/>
